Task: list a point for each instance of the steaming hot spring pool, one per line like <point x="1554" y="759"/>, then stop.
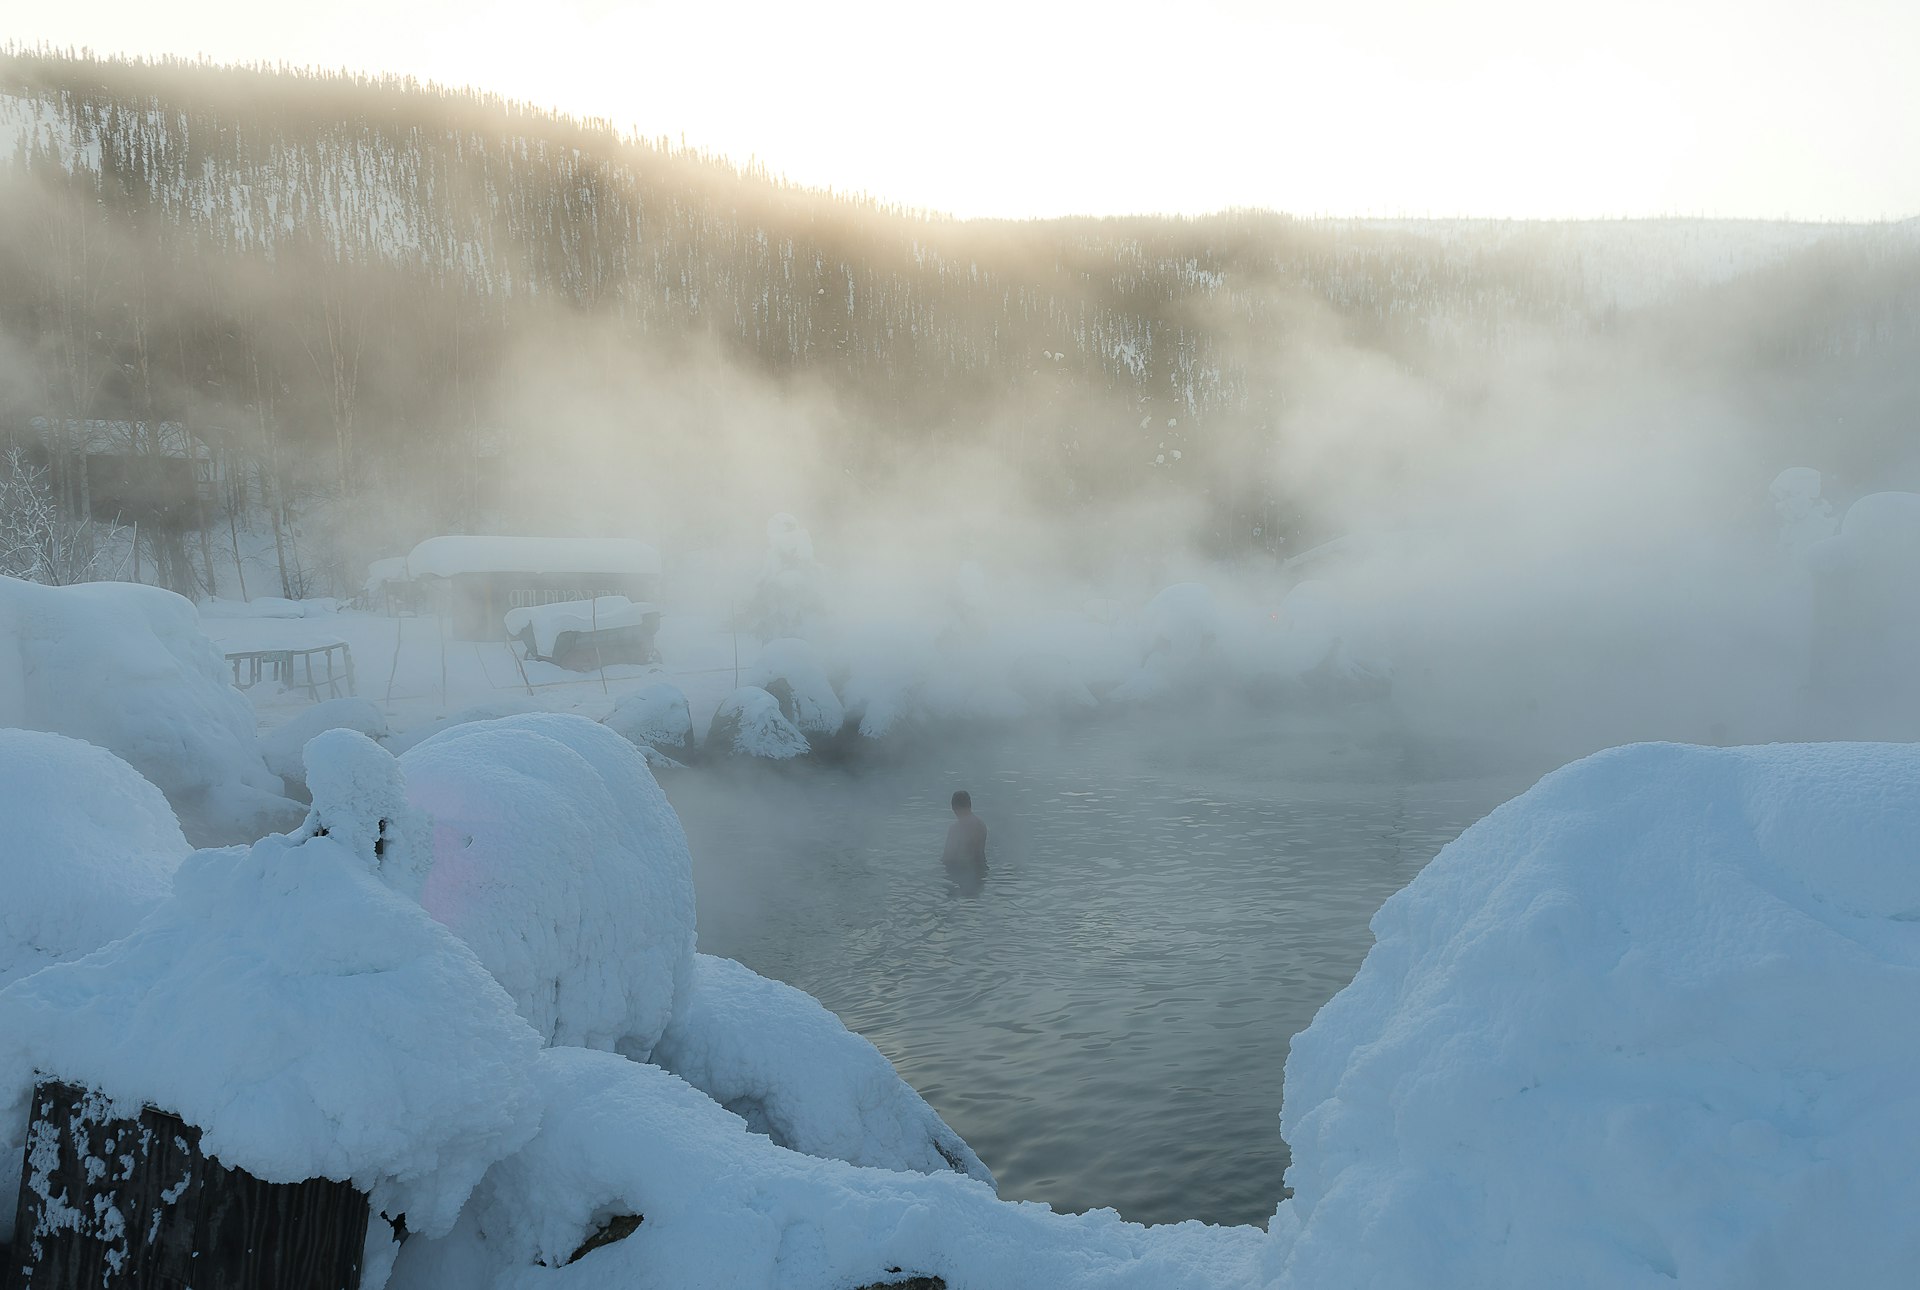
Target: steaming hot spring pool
<point x="1106" y="1018"/>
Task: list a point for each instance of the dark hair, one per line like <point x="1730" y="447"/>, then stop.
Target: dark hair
<point x="963" y="798"/>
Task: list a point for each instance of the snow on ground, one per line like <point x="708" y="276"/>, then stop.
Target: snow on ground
<point x="125" y="667"/>
<point x="557" y="858"/>
<point x="723" y="1207"/>
<point x="773" y="1056"/>
<point x="89" y="848"/>
<point x="1652" y="1023"/>
<point x="312" y="1019"/>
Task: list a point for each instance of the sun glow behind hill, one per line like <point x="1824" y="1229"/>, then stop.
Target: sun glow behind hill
<point x="1383" y="107"/>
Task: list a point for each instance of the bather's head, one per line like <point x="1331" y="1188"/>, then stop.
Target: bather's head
<point x="963" y="803"/>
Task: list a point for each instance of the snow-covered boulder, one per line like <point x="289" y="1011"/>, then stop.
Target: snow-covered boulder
<point x="125" y="667"/>
<point x="749" y="723"/>
<point x="657" y="721"/>
<point x="557" y="858"/>
<point x="313" y="1020"/>
<point x="723" y="1207"/>
<point x="89" y="847"/>
<point x="788" y="671"/>
<point x="283" y="746"/>
<point x="1652" y="1023"/>
<point x="778" y="1059"/>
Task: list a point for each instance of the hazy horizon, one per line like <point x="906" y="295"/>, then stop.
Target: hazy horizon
<point x="1386" y="110"/>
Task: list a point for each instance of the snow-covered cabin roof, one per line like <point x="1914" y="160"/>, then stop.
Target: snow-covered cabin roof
<point x="602" y="613"/>
<point x="449" y="557"/>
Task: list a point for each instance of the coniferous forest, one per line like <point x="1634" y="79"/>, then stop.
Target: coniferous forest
<point x="299" y="294"/>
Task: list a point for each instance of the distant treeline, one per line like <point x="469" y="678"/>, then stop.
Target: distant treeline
<point x="325" y="279"/>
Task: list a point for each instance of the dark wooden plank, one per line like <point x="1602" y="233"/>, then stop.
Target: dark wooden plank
<point x="133" y="1204"/>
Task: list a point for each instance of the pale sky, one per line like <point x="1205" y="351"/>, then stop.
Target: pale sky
<point x="1523" y="108"/>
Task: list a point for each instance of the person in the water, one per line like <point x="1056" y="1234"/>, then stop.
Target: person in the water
<point x="966" y="836"/>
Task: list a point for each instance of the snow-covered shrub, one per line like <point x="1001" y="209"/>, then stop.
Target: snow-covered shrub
<point x="774" y="1056"/>
<point x="311" y="1019"/>
<point x="749" y="723"/>
<point x="125" y="667"/>
<point x="657" y="721"/>
<point x="557" y="858"/>
<point x="1652" y="1023"/>
<point x="88" y="848"/>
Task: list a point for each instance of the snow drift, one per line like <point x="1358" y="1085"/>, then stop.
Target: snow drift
<point x="1651" y="1023"/>
<point x="784" y="1064"/>
<point x="90" y="847"/>
<point x="125" y="667"/>
<point x="296" y="1003"/>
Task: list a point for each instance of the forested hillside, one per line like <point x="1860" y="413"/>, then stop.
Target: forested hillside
<point x="340" y="287"/>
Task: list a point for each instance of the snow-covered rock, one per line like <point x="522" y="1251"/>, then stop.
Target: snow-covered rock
<point x="657" y="721"/>
<point x="1652" y="1023"/>
<point x="723" y="1207"/>
<point x="282" y="747"/>
<point x="125" y="667"/>
<point x="557" y="858"/>
<point x="89" y="847"/>
<point x="311" y="1019"/>
<point x="778" y="1059"/>
<point x="749" y="723"/>
<point x="788" y="671"/>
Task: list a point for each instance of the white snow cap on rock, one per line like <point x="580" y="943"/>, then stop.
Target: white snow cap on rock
<point x="89" y="847"/>
<point x="311" y="1020"/>
<point x="359" y="798"/>
<point x="749" y="723"/>
<point x="654" y="719"/>
<point x="816" y="709"/>
<point x="1654" y="1022"/>
<point x="723" y="1207"/>
<point x="557" y="858"/>
<point x="125" y="667"/>
<point x="774" y="1056"/>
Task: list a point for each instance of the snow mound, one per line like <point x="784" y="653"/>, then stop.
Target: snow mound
<point x="1652" y="1022"/>
<point x="778" y="1059"/>
<point x="125" y="667"/>
<point x="749" y="723"/>
<point x="282" y="746"/>
<point x="90" y="848"/>
<point x="657" y="721"/>
<point x="311" y="1019"/>
<point x="724" y="1207"/>
<point x="557" y="858"/>
<point x="788" y="670"/>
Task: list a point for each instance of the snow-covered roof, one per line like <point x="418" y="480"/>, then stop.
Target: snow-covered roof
<point x="599" y="614"/>
<point x="448" y="557"/>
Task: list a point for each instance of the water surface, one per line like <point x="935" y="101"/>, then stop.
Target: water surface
<point x="1105" y="1017"/>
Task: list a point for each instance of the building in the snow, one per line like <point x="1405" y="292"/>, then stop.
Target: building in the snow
<point x="475" y="581"/>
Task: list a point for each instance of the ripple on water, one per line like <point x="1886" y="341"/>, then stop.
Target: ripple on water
<point x="1106" y="1020"/>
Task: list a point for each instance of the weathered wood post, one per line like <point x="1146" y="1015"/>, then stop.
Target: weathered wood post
<point x="112" y="1202"/>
